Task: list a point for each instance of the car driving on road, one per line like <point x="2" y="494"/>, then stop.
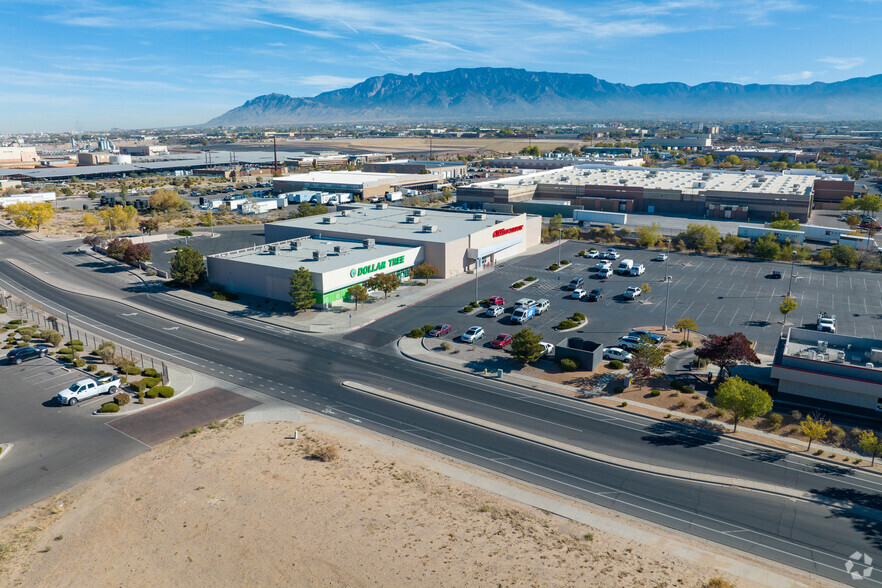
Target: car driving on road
<point x="20" y="354"/>
<point x="472" y="335"/>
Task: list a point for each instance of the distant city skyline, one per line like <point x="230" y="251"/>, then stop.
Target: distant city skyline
<point x="101" y="64"/>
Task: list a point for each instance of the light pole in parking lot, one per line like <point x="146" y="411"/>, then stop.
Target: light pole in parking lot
<point x="792" y="261"/>
<point x="559" y="237"/>
<point x="668" y="280"/>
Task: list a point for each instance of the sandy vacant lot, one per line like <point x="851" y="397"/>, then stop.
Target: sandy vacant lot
<point x="237" y="505"/>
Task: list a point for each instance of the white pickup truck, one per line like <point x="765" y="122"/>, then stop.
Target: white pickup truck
<point x="85" y="389"/>
<point x="826" y="322"/>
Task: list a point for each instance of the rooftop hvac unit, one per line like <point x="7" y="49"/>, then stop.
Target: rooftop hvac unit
<point x="339" y="249"/>
<point x="381" y="206"/>
<point x="479" y="216"/>
<point x="319" y="255"/>
<point x="295" y="245"/>
<point x="822" y="346"/>
<point x="418" y="213"/>
<point x="368" y="243"/>
<point x="274" y="249"/>
<point x="345" y="213"/>
<point x="412" y="220"/>
<point x="329" y="220"/>
<point x="430" y="229"/>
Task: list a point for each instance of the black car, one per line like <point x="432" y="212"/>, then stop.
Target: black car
<point x="20" y="354"/>
<point x="595" y="294"/>
<point x="776" y="275"/>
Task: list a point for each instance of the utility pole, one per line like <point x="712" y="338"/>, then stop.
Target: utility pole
<point x="275" y="158"/>
<point x="477" y="263"/>
<point x="668" y="280"/>
<point x="792" y="261"/>
<point x="559" y="243"/>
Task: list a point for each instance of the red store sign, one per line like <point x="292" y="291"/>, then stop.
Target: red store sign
<point x="501" y="232"/>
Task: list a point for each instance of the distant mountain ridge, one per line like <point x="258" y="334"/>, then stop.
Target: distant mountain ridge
<point x="517" y="94"/>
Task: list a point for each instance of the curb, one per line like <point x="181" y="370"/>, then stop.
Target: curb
<point x="6" y="449"/>
<point x="142" y="408"/>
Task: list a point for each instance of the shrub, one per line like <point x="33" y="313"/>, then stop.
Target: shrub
<point x="133" y="371"/>
<point x="484" y="302"/>
<point x="618" y="390"/>
<point x="79" y="363"/>
<point x="564" y="262"/>
<point x="416" y="333"/>
<point x="774" y="420"/>
<point x="518" y="285"/>
<point x="674" y="394"/>
<point x="581" y="253"/>
<point x="704" y="405"/>
<point x="567" y="324"/>
<point x="3" y="310"/>
<point x="65" y="350"/>
<point x="836" y="434"/>
<point x="325" y="453"/>
<point x="427" y="328"/>
<point x="688" y="390"/>
<point x="578" y="317"/>
<point x="615" y="365"/>
<point x="468" y="309"/>
<point x="224" y="296"/>
<point x="14" y="322"/>
<point x="122" y="398"/>
<point x="91" y="367"/>
<point x="76" y="342"/>
<point x="718" y="582"/>
<point x="150" y="373"/>
<point x="163" y="391"/>
<point x="685" y="343"/>
<point x="109" y="407"/>
<point x="152" y="392"/>
<point x="530" y="279"/>
<point x="569" y="365"/>
<point x="554" y="267"/>
<point x="140" y="398"/>
<point x="655" y="393"/>
<point x="623" y="404"/>
<point x="719" y="413"/>
<point x="677" y="385"/>
<point x="64" y="357"/>
<point x="796" y="415"/>
<point x="679" y="405"/>
<point x="819" y="452"/>
<point x="445" y="346"/>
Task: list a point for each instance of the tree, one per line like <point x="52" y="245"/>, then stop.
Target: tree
<point x="358" y="293"/>
<point x="786" y="224"/>
<point x="686" y="325"/>
<point x="554" y="224"/>
<point x="123" y="191"/>
<point x="301" y="291"/>
<point x="726" y="351"/>
<point x="91" y="222"/>
<point x="119" y="218"/>
<point x="425" y="270"/>
<point x="733" y="159"/>
<point x="844" y="255"/>
<point x="645" y="289"/>
<point x="149" y="225"/>
<point x="30" y="215"/>
<point x="700" y="161"/>
<point x="384" y="282"/>
<point x="648" y="236"/>
<point x="825" y="256"/>
<point x="766" y="247"/>
<point x="184" y="233"/>
<point x="165" y="200"/>
<point x="814" y="429"/>
<point x="531" y="150"/>
<point x="733" y="244"/>
<point x="645" y="358"/>
<point x="701" y="238"/>
<point x="525" y="346"/>
<point x="743" y="399"/>
<point x="787" y="306"/>
<point x="870" y="444"/>
<point x="137" y="252"/>
<point x="116" y="248"/>
<point x="848" y="203"/>
<point x="187" y="266"/>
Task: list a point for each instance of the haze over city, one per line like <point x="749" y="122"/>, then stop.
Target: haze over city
<point x="99" y="64"/>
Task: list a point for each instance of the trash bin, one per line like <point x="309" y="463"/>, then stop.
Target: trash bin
<point x="498" y="373"/>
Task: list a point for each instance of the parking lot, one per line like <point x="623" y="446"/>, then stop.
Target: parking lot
<point x="55" y="447"/>
<point x="722" y="294"/>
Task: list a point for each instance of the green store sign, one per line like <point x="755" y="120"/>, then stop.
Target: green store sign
<point x="376" y="266"/>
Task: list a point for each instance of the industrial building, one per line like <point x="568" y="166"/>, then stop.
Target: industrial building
<point x="92" y="158"/>
<point x="526" y="162"/>
<point x="144" y="150"/>
<point x="735" y="195"/>
<point x="449" y="240"/>
<point x="697" y="143"/>
<point x="29" y="198"/>
<point x="334" y="265"/>
<point x="447" y="170"/>
<point x="23" y="157"/>
<point x="830" y="370"/>
<point x="766" y="154"/>
<point x="361" y="184"/>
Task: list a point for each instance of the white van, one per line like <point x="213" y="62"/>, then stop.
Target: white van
<point x="625" y="266"/>
<point x="638" y="270"/>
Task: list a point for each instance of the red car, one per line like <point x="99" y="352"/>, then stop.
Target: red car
<point x="439" y="330"/>
<point x="496" y="301"/>
<point x="500" y="341"/>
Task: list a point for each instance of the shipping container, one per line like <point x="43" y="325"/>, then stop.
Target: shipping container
<point x="821" y="234"/>
<point x="596" y="216"/>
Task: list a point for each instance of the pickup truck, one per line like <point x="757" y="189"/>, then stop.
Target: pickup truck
<point x="826" y="322"/>
<point x="85" y="389"/>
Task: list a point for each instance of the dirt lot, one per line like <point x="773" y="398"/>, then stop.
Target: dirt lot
<point x="246" y="505"/>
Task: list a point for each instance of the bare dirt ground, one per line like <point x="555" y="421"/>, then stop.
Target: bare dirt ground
<point x="240" y="505"/>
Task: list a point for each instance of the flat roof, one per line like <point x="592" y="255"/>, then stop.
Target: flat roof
<point x="684" y="180"/>
<point x="391" y="222"/>
<point x="354" y="252"/>
<point x="427" y="163"/>
<point x="834" y="348"/>
<point x="355" y="178"/>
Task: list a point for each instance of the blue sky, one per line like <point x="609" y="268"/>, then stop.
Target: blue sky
<point x="97" y="64"/>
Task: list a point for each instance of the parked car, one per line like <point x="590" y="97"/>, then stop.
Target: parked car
<point x="20" y="354"/>
<point x="494" y="311"/>
<point x="605" y="273"/>
<point x="637" y="270"/>
<point x="602" y="265"/>
<point x="85" y="389"/>
<point x="524" y="302"/>
<point x="776" y="275"/>
<point x="500" y="341"/>
<point x="654" y="337"/>
<point x="595" y="294"/>
<point x="826" y="322"/>
<point x="440" y="330"/>
<point x="541" y="306"/>
<point x="472" y="335"/>
<point x="592" y="254"/>
<point x="547" y="349"/>
<point x="630" y="343"/>
<point x="632" y="292"/>
<point x="496" y="301"/>
<point x="578" y="294"/>
<point x="612" y="254"/>
<point x="618" y="353"/>
<point x="575" y="284"/>
<point x="661" y="257"/>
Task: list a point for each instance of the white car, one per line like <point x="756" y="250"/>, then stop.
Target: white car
<point x="632" y="292"/>
<point x="637" y="270"/>
<point x="495" y="311"/>
<point x="602" y="265"/>
<point x="605" y="273"/>
<point x="85" y="389"/>
<point x="612" y="254"/>
<point x="661" y="257"/>
<point x="578" y="294"/>
<point x="593" y="254"/>
<point x="616" y="353"/>
<point x="547" y="349"/>
<point x="473" y="334"/>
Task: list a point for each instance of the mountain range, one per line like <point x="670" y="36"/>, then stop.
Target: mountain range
<point x="516" y="94"/>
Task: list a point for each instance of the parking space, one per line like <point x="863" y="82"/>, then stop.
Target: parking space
<point x="55" y="446"/>
<point x="722" y="294"/>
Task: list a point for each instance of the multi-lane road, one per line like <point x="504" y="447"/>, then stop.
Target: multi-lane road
<point x="816" y="534"/>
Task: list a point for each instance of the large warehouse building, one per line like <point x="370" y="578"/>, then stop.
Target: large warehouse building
<point x="447" y="170"/>
<point x="734" y="195"/>
<point x="362" y="184"/>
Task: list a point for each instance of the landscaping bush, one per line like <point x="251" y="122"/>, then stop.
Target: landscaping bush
<point x="554" y="267"/>
<point x="76" y="342"/>
<point x="836" y="434"/>
<point x="655" y="393"/>
<point x="109" y="407"/>
<point x="567" y="324"/>
<point x="224" y="296"/>
<point x="64" y="357"/>
<point x="150" y="373"/>
<point x="679" y="405"/>
<point x="677" y="384"/>
<point x="564" y="262"/>
<point x="122" y="398"/>
<point x="2" y="310"/>
<point x="688" y="390"/>
<point x="65" y="350"/>
<point x="615" y="365"/>
<point x="704" y="405"/>
<point x="468" y="309"/>
<point x="618" y="390"/>
<point x="152" y="392"/>
<point x="427" y="328"/>
<point x="719" y="413"/>
<point x="163" y="391"/>
<point x="132" y="371"/>
<point x="569" y="365"/>
<point x="774" y="420"/>
<point x="623" y="405"/>
<point x="517" y="285"/>
<point x="796" y="415"/>
<point x="578" y="317"/>
<point x="416" y="333"/>
<point x="530" y="279"/>
<point x="79" y="363"/>
<point x="445" y="346"/>
<point x="685" y="343"/>
<point x="91" y="367"/>
<point x="13" y="322"/>
<point x="581" y="253"/>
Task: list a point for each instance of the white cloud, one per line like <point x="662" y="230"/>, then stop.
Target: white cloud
<point x="314" y="33"/>
<point x="327" y="81"/>
<point x="842" y="63"/>
<point x="797" y="76"/>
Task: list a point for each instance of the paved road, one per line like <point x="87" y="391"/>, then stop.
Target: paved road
<point x="308" y="371"/>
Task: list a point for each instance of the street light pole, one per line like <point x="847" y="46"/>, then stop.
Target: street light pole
<point x="477" y="263"/>
<point x="667" y="279"/>
<point x="792" y="261"/>
<point x="559" y="237"/>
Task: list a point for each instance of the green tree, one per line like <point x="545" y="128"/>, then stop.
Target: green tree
<point x="645" y="358"/>
<point x="870" y="444"/>
<point x="787" y="306"/>
<point x="30" y="215"/>
<point x="554" y="224"/>
<point x="187" y="266"/>
<point x="525" y="346"/>
<point x="786" y="224"/>
<point x="357" y="293"/>
<point x="648" y="236"/>
<point x="301" y="291"/>
<point x="425" y="270"/>
<point x="733" y="159"/>
<point x="743" y="399"/>
<point x="701" y="238"/>
<point x="686" y="325"/>
<point x="766" y="247"/>
<point x="845" y="255"/>
<point x="123" y="191"/>
<point x="814" y="429"/>
<point x="383" y="282"/>
<point x="853" y="220"/>
<point x="733" y="245"/>
<point x="531" y="150"/>
<point x="848" y="203"/>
